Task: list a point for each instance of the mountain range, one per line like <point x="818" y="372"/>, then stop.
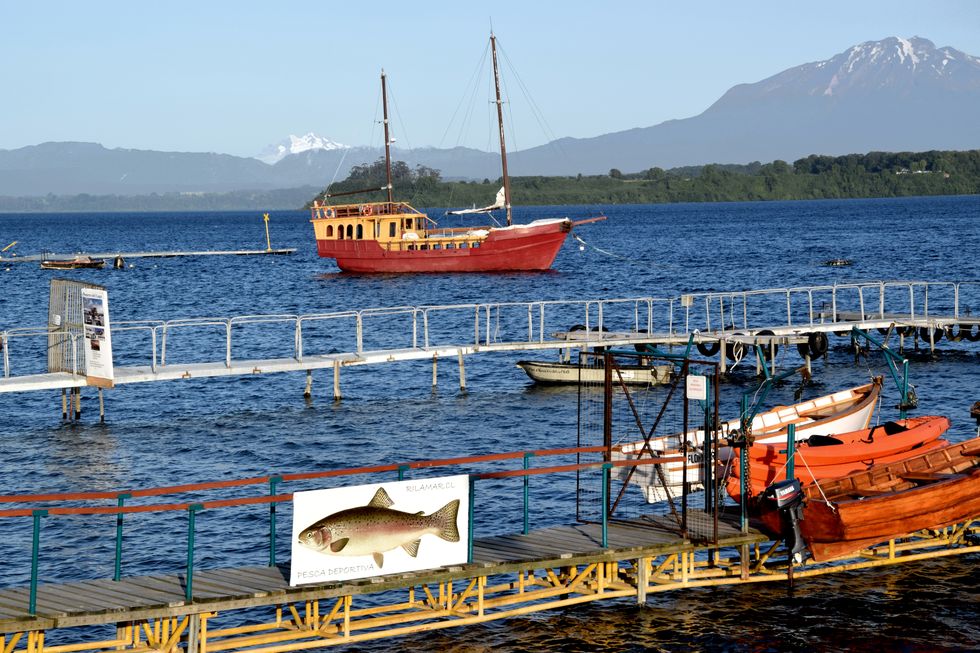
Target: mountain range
<point x="890" y="95"/>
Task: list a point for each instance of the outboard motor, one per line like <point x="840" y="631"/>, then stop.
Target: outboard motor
<point x="788" y="496"/>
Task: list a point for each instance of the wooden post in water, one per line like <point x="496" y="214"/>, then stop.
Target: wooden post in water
<point x="64" y="404"/>
<point x="78" y="404"/>
<point x="642" y="579"/>
<point x="101" y="407"/>
<point x="308" y="392"/>
<point x="435" y="365"/>
<point x="336" y="381"/>
<point x="193" y="634"/>
<point x="462" y="373"/>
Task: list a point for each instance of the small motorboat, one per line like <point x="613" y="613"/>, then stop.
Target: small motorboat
<point x="934" y="489"/>
<point x="561" y="373"/>
<point x="73" y="263"/>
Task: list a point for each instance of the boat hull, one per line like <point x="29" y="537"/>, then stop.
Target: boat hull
<point x="519" y="248"/>
<point x="571" y="373"/>
<point x="762" y="476"/>
<point x="932" y="490"/>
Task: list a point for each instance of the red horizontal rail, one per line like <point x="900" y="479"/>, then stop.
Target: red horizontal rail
<point x="572" y="468"/>
<point x="278" y="498"/>
<point x="213" y="485"/>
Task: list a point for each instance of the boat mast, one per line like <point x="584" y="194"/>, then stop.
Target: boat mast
<point x="384" y="104"/>
<point x="500" y="123"/>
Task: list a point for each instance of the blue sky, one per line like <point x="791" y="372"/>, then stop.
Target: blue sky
<point x="232" y="77"/>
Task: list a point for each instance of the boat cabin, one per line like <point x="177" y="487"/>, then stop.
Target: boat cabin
<point x="395" y="226"/>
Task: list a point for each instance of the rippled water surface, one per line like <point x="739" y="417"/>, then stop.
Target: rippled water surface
<point x="197" y="430"/>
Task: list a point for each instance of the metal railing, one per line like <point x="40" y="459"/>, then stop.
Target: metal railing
<point x="812" y="305"/>
<point x="31" y="504"/>
<point x="534" y="322"/>
<point x="501" y="323"/>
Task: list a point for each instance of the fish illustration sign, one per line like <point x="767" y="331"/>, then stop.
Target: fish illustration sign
<point x="382" y="528"/>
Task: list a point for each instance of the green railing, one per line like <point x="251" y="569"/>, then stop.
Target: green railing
<point x="272" y="498"/>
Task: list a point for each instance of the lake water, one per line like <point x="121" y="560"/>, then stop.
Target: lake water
<point x="200" y="430"/>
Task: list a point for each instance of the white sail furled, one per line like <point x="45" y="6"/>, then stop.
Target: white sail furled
<point x="498" y="204"/>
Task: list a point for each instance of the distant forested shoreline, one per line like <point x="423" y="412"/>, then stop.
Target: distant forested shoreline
<point x="872" y="175"/>
<point x="877" y="174"/>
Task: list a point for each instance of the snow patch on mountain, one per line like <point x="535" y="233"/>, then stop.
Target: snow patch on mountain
<point x="276" y="152"/>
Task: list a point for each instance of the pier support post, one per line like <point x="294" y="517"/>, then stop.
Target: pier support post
<point x="435" y="365"/>
<point x="722" y="357"/>
<point x="64" y="404"/>
<point x="193" y="634"/>
<point x="462" y="374"/>
<point x="101" y="407"/>
<point x="642" y="579"/>
<point x="308" y="392"/>
<point x="336" y="381"/>
<point x="78" y="403"/>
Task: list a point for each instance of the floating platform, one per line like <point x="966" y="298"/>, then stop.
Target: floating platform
<point x="34" y="258"/>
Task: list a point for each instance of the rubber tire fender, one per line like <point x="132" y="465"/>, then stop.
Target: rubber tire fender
<point x="937" y="334"/>
<point x="973" y="335"/>
<point x="816" y="344"/>
<point x="955" y="332"/>
<point x="768" y="353"/>
<point x="732" y="348"/>
<point x="708" y="348"/>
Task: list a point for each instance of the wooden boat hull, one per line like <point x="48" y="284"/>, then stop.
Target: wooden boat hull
<point x="934" y="489"/>
<point x="519" y="248"/>
<point x="72" y="264"/>
<point x="865" y="444"/>
<point x="762" y="476"/>
<point x="839" y="412"/>
<point x="571" y="373"/>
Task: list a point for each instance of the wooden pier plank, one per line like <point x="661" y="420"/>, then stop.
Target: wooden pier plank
<point x="142" y="597"/>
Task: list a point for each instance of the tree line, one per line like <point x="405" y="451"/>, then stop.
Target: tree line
<point x="876" y="174"/>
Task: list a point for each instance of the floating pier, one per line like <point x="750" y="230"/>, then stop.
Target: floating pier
<point x="34" y="258"/>
<point x="723" y="326"/>
<point x="506" y="575"/>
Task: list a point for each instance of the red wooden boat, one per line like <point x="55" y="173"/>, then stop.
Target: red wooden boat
<point x="394" y="237"/>
<point x="820" y="457"/>
<point x="934" y="489"/>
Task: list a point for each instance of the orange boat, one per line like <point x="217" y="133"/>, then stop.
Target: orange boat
<point x="763" y="476"/>
<point x="393" y="237"/>
<point x="819" y="457"/>
<point x="864" y="444"/>
<point x="934" y="489"/>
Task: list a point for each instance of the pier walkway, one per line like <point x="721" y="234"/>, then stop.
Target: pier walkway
<point x="722" y="323"/>
<point x="255" y="608"/>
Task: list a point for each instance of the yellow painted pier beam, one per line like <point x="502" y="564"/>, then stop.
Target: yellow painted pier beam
<point x="505" y="580"/>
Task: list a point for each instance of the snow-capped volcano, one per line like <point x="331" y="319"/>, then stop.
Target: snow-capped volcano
<point x="296" y="144"/>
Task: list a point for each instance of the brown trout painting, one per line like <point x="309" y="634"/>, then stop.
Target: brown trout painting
<point x="376" y="528"/>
